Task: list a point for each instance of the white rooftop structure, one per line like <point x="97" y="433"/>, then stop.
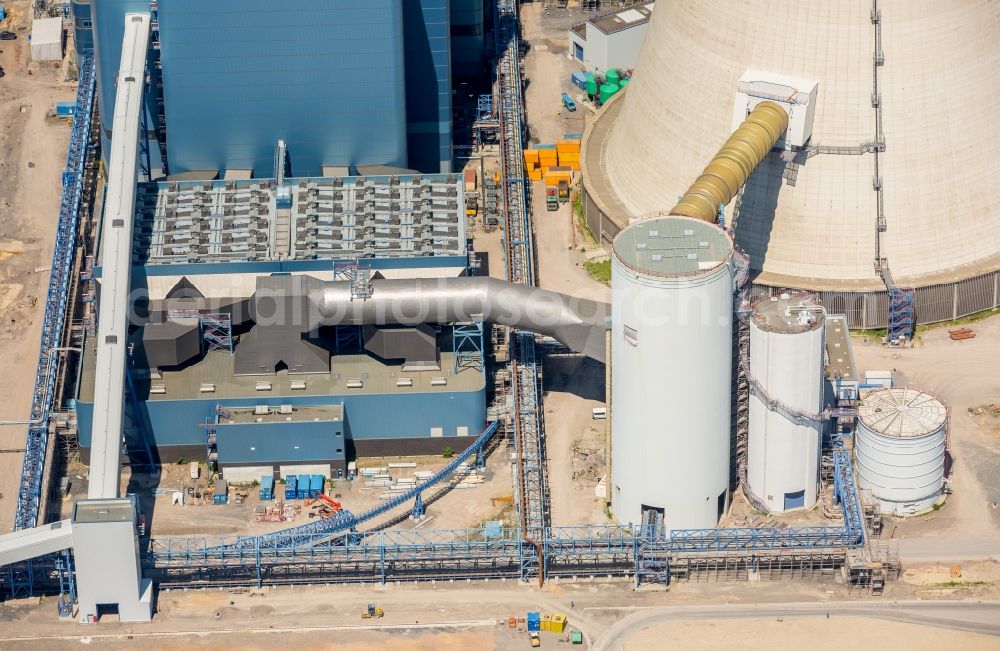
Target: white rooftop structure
<point x="46" y="39"/>
<point x="809" y="221"/>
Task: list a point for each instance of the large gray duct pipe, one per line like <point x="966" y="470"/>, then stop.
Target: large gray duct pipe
<point x="308" y="303"/>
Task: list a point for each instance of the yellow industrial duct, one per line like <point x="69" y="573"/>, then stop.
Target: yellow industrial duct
<point x="734" y="163"/>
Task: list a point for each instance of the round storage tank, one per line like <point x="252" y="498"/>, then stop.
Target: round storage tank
<point x="607" y="91"/>
<point x="671" y="355"/>
<point x="786" y="362"/>
<point x="899" y="449"/>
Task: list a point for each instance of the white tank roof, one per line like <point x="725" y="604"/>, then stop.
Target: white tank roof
<point x="940" y="97"/>
<point x="789" y="313"/>
<point x="902" y="413"/>
<point x="672" y="246"/>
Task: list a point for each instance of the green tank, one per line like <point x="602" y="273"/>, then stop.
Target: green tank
<point x="607" y="91"/>
<point x="612" y="76"/>
<point x="591" y="85"/>
<point x="623" y="83"/>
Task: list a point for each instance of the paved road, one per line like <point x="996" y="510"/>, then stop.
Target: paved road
<point x="972" y="616"/>
<point x="949" y="549"/>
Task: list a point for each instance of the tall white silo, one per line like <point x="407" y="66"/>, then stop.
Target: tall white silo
<point x="786" y="362"/>
<point x="899" y="449"/>
<point x="671" y="352"/>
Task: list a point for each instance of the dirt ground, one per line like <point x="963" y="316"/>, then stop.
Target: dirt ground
<point x="963" y="375"/>
<point x="32" y="159"/>
<point x="456" y="615"/>
<point x="815" y="633"/>
<point x="461" y="508"/>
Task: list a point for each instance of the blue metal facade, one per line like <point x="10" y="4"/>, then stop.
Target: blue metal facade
<point x="360" y="82"/>
<point x="264" y="443"/>
<point x="326" y="77"/>
<point x="428" y="84"/>
<point x="467" y="37"/>
<point x="83" y="33"/>
<point x="367" y="417"/>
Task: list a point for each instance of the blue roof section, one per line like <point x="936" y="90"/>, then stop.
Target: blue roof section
<point x="272" y="442"/>
<point x="368" y="417"/>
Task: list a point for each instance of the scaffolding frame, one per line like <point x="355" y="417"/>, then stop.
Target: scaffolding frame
<point x="467" y="344"/>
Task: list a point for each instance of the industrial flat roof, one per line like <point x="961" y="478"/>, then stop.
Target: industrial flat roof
<point x="217" y="368"/>
<point x="789" y="312"/>
<point x="45" y="31"/>
<point x="103" y="510"/>
<point x="339" y="218"/>
<point x="672" y="246"/>
<point x="839" y="353"/>
<point x="624" y="19"/>
<point x="297" y="415"/>
<point x="902" y="413"/>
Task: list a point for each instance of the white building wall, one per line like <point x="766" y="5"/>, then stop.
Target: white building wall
<point x="46" y="39"/>
<point x="670" y="395"/>
<point x="622" y="49"/>
<point x="602" y="52"/>
<point x="247" y="474"/>
<point x="305" y="469"/>
<point x="106" y="555"/>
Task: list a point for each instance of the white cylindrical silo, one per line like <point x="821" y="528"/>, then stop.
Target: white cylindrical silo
<point x="671" y="353"/>
<point x="786" y="362"/>
<point x="899" y="449"/>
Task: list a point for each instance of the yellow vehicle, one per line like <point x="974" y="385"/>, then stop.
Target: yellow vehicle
<point x="373" y="611"/>
<point x="535" y="640"/>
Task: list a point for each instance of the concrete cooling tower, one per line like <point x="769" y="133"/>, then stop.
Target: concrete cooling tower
<point x="904" y="101"/>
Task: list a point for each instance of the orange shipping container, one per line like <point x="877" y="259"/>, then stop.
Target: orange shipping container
<point x="535" y="175"/>
<point x="531" y="155"/>
<point x="569" y="157"/>
<point x="547" y="154"/>
<point x="568" y="146"/>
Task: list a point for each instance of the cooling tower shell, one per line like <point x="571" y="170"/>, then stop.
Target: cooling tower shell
<point x="899" y="449"/>
<point x="786" y="359"/>
<point x="811" y="223"/>
<point x="671" y="343"/>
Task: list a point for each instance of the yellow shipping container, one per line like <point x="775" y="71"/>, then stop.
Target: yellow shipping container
<point x="558" y="623"/>
<point x="530" y="155"/>
<point x="546" y="623"/>
<point x="568" y="146"/>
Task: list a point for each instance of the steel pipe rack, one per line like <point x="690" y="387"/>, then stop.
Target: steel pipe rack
<point x="53" y="321"/>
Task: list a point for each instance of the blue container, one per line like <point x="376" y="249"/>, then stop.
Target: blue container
<point x="266" y="488"/>
<point x="291" y="483"/>
<point x="317" y="486"/>
<point x="221" y="495"/>
<point x="302" y="490"/>
<point x="3" y="12"/>
<point x="534" y="621"/>
<point x="579" y="79"/>
<point x="65" y="109"/>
